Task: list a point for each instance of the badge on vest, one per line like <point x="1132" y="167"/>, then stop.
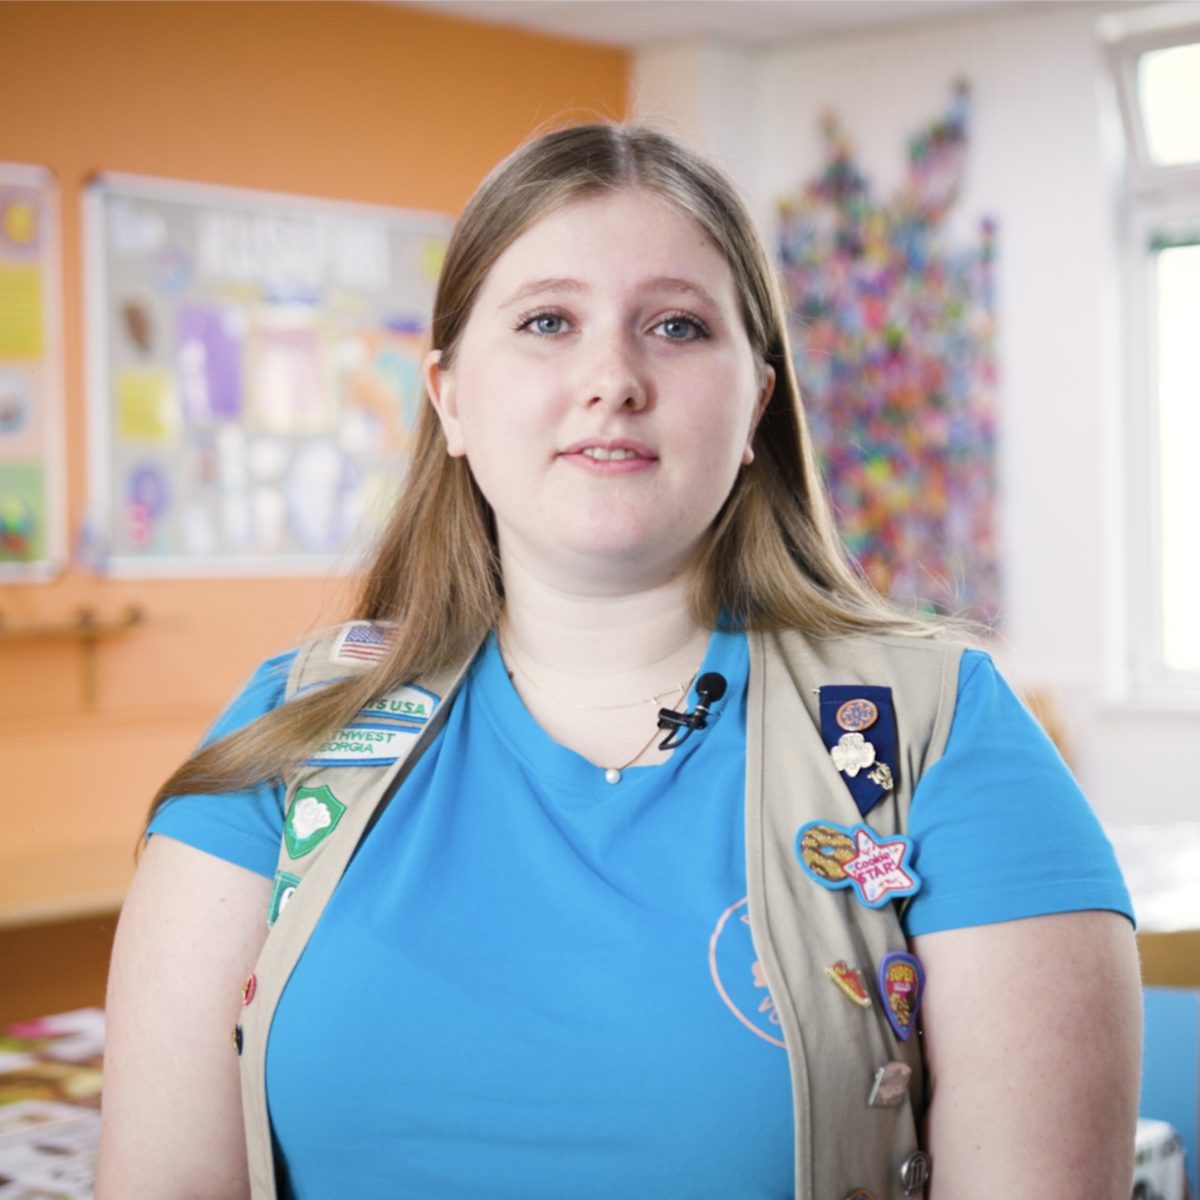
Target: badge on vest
<point x="379" y="731"/>
<point x="858" y="727"/>
<point x="850" y="983"/>
<point x="879" y="869"/>
<point x="313" y="815"/>
<point x="361" y="642"/>
<point x="901" y="982"/>
<point x="890" y="1085"/>
<point x="915" y="1172"/>
<point x="281" y="892"/>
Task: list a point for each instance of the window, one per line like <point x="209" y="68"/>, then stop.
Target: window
<point x="1156" y="65"/>
<point x="1168" y="97"/>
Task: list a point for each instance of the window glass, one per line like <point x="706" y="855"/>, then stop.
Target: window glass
<point x="1169" y="94"/>
<point x="1177" y="280"/>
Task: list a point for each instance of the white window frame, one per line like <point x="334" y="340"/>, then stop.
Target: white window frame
<point x="1157" y="201"/>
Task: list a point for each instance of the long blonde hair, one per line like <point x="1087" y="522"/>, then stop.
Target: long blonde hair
<point x="771" y="560"/>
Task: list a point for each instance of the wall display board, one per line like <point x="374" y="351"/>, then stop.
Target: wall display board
<point x="31" y="458"/>
<point x="254" y="373"/>
<point x="894" y="327"/>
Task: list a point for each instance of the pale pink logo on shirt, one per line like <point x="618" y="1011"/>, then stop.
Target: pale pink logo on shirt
<point x="738" y="975"/>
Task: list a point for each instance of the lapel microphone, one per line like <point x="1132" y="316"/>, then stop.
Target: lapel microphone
<point x="710" y="688"/>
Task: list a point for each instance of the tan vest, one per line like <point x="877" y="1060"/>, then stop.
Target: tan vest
<point x="844" y="1147"/>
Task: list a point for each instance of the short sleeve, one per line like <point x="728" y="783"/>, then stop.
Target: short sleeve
<point x="244" y="828"/>
<point x="1001" y="828"/>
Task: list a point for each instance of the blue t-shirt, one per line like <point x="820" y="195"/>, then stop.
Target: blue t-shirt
<point x="532" y="983"/>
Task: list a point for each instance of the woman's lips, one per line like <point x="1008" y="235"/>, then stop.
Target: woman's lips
<point x="616" y="456"/>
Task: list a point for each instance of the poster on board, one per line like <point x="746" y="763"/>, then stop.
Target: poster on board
<point x="254" y="374"/>
<point x="31" y="483"/>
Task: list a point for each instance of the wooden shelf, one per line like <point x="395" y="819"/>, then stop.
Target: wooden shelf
<point x="64" y="884"/>
<point x="86" y="627"/>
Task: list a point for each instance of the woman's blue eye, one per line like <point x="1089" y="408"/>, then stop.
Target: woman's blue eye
<point x="547" y="323"/>
<point x="681" y="329"/>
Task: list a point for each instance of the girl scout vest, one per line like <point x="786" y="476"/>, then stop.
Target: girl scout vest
<point x="839" y="732"/>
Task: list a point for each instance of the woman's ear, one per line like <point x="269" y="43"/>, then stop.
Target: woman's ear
<point x="439" y="384"/>
<point x="764" y="398"/>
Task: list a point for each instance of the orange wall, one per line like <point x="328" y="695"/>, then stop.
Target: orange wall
<point x="368" y="102"/>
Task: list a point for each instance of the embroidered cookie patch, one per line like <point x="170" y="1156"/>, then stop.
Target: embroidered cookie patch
<point x="823" y="849"/>
<point x="879" y="869"/>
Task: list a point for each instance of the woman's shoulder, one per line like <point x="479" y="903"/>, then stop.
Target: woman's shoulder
<point x="266" y="689"/>
<point x="881" y="657"/>
<point x="243" y="827"/>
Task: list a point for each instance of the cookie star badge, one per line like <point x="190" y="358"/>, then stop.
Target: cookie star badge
<point x="878" y="868"/>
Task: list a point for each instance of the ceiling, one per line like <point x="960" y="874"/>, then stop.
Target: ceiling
<point x="644" y="22"/>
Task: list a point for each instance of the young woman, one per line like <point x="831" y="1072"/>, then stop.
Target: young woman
<point x="852" y="932"/>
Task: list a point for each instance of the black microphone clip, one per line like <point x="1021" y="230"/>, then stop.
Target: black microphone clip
<point x="710" y="687"/>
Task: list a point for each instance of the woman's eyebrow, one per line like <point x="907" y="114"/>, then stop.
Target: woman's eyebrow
<point x="669" y="283"/>
<point x="552" y="284"/>
<point x="659" y="283"/>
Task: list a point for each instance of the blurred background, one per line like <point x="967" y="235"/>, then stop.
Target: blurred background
<point x="986" y="218"/>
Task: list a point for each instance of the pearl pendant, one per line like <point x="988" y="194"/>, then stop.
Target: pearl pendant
<point x="612" y="775"/>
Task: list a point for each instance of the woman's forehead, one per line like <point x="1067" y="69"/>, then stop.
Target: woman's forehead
<point x="603" y="236"/>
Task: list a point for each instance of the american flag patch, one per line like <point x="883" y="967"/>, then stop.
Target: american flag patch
<point x="361" y="642"/>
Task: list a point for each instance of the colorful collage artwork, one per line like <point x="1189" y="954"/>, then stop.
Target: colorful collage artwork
<point x="256" y="374"/>
<point x="894" y="333"/>
<point x="29" y="439"/>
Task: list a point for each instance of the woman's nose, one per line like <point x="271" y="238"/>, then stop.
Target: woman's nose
<point x="616" y="377"/>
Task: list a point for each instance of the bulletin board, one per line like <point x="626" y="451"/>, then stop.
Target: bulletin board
<point x="254" y="374"/>
<point x="31" y="451"/>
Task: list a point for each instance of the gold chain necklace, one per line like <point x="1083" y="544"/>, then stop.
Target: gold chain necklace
<point x="507" y="654"/>
<point x="611" y="774"/>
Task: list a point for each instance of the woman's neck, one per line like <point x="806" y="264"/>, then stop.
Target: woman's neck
<point x="593" y="671"/>
<point x="600" y="650"/>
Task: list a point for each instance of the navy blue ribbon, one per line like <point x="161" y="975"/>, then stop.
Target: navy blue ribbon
<point x="881" y="734"/>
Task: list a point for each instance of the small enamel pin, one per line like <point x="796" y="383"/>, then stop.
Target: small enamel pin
<point x="901" y="982"/>
<point x="890" y="1085"/>
<point x="881" y="774"/>
<point x="879" y="869"/>
<point x="248" y="989"/>
<point x="853" y="753"/>
<point x="856" y="714"/>
<point x="915" y="1172"/>
<point x="850" y="983"/>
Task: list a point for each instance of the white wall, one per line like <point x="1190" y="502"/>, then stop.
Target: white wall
<point x="1041" y="161"/>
